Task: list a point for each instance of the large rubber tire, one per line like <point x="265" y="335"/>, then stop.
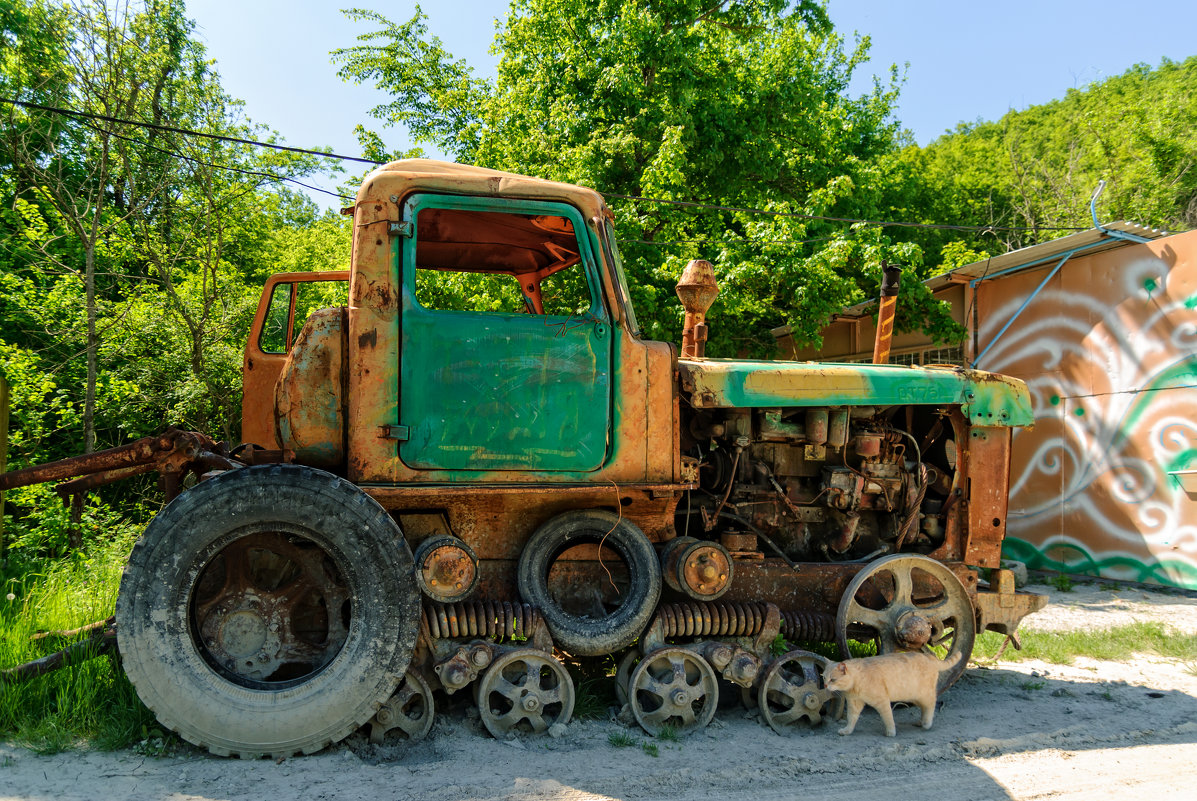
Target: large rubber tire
<point x="587" y="636"/>
<point x="363" y="562"/>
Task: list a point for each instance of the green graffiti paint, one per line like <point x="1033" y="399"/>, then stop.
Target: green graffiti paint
<point x="1075" y="559"/>
<point x="1079" y="412"/>
<point x="1054" y="400"/>
<point x="1151" y="285"/>
<point x="1181" y="374"/>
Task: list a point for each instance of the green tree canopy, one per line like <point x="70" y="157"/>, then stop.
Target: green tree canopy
<point x="737" y="105"/>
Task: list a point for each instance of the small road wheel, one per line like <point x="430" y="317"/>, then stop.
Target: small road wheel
<point x="527" y="690"/>
<point x="270" y="610"/>
<point x="623" y="674"/>
<point x="618" y="610"/>
<point x="673" y="687"/>
<point x="410" y="710"/>
<point x="909" y="602"/>
<point x="792" y="690"/>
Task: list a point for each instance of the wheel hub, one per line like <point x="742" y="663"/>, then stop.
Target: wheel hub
<point x="913" y="631"/>
<point x="242" y="634"/>
<point x="270" y="608"/>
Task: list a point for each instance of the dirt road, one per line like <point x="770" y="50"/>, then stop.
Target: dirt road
<point x="1016" y="731"/>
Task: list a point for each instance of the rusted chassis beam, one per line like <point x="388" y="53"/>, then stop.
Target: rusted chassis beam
<point x="172" y="454"/>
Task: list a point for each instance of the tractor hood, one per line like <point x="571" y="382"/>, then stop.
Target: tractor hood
<point x="986" y="399"/>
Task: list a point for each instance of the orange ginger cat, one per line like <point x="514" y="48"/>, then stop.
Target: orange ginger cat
<point x="879" y="681"/>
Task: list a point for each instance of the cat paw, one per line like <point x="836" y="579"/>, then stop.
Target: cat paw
<point x="891" y="732"/>
<point x="845" y="730"/>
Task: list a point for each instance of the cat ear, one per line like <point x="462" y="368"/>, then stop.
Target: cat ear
<point x="840" y="668"/>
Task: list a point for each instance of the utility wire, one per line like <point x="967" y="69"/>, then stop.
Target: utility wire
<point x="184" y="131"/>
<point x="201" y="162"/>
<point x="679" y="203"/>
<point x="797" y="215"/>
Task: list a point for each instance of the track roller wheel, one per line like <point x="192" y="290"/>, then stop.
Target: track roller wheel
<point x="792" y="690"/>
<point x="410" y="710"/>
<point x="673" y="687"/>
<point x="623" y="674"/>
<point x="525" y="689"/>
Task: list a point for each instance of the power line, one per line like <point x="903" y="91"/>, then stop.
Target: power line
<point x="183" y="131"/>
<point x="679" y="203"/>
<point x="800" y="216"/>
<point x="201" y="162"/>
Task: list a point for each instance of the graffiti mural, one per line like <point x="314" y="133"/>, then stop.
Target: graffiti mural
<point x="1108" y="348"/>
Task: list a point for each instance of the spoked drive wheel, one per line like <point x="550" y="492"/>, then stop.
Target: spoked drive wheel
<point x="909" y="602"/>
<point x="525" y="689"/>
<point x="673" y="687"/>
<point x="792" y="690"/>
<point x="410" y="710"/>
<point x="269" y="610"/>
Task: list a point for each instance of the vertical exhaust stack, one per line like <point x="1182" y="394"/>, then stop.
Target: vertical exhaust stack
<point x="885" y="315"/>
<point x="696" y="289"/>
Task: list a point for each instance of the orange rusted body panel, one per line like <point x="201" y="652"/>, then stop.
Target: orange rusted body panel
<point x="260" y="370"/>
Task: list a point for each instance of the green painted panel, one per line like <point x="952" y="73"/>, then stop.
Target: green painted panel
<point x="986" y="398"/>
<point x="493" y="391"/>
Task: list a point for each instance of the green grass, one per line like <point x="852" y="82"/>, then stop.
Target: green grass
<point x="622" y="739"/>
<point x="91" y="702"/>
<point x="592" y="697"/>
<point x="668" y="734"/>
<point x="1114" y="644"/>
<point x="650" y="749"/>
<point x="1061" y="582"/>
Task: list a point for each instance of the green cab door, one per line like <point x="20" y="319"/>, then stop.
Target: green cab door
<point x="505" y="343"/>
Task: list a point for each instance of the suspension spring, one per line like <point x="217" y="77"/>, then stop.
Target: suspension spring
<point x="724" y="619"/>
<point x="808" y="626"/>
<point x="492" y="620"/>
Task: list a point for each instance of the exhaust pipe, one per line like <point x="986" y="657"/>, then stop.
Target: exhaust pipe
<point x="696" y="289"/>
<point x="885" y="315"/>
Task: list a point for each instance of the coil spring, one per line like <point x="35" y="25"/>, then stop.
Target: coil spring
<point x="492" y="620"/>
<point x="722" y="619"/>
<point x="809" y="626"/>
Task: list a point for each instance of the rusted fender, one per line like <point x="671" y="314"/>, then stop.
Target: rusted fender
<point x="985" y="398"/>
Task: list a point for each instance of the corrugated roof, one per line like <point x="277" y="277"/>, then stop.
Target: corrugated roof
<point x="1095" y="240"/>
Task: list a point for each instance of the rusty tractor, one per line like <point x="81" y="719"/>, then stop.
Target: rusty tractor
<point x="465" y="469"/>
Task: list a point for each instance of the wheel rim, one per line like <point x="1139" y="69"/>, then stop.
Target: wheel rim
<point x="910" y="602"/>
<point x="792" y="690"/>
<point x="410" y="710"/>
<point x="526" y="690"/>
<point x="623" y="674"/>
<point x="270" y="609"/>
<point x="673" y="687"/>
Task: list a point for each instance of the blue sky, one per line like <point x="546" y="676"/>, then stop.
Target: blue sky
<point x="963" y="60"/>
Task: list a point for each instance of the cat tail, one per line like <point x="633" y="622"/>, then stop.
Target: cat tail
<point x="951" y="661"/>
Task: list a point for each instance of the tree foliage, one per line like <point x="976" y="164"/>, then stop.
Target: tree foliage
<point x="724" y="104"/>
<point x="1038" y="167"/>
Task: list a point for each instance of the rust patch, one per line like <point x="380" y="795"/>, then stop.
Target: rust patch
<point x="368" y="339"/>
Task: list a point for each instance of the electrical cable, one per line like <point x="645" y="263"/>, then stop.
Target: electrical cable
<point x="678" y="203"/>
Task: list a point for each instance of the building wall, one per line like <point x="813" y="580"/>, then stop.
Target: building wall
<point x="1107" y="350"/>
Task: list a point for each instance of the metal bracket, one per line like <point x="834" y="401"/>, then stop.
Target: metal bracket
<point x="396" y="432"/>
<point x="403" y="228"/>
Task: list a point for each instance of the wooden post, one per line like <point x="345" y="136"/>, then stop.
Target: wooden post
<point x="3" y="461"/>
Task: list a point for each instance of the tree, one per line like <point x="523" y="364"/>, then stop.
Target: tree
<point x="728" y="105"/>
<point x="1038" y="167"/>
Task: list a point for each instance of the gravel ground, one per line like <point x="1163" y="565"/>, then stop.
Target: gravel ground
<point x="1024" y="730"/>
